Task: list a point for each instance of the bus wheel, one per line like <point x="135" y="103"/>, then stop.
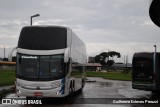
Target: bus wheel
<point x="73" y="87"/>
<point x="82" y="86"/>
<point x="70" y="88"/>
<point x="83" y="83"/>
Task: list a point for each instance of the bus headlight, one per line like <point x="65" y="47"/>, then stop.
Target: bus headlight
<point x="18" y="91"/>
<point x="59" y="92"/>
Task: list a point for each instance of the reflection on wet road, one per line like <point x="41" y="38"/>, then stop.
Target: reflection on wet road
<point x="96" y="94"/>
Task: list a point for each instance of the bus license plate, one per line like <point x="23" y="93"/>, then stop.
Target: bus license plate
<point x="38" y="94"/>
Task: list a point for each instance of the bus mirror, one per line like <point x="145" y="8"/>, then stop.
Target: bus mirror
<point x="66" y="54"/>
<point x="154" y="12"/>
<point x="10" y="54"/>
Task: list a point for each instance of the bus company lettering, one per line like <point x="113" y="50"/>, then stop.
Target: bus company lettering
<point x="29" y="57"/>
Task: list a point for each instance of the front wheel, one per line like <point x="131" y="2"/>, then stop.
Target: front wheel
<point x="71" y="88"/>
<point x="82" y="86"/>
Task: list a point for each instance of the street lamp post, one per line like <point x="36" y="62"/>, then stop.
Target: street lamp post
<point x="155" y="48"/>
<point x="36" y="15"/>
<point x="155" y="61"/>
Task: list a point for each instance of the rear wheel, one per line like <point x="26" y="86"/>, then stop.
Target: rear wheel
<point x="71" y="88"/>
<point x="82" y="86"/>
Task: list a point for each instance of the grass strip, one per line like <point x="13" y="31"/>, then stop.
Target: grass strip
<point x="7" y="77"/>
<point x="110" y="75"/>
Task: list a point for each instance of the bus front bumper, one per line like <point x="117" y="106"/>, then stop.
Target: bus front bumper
<point x="147" y="87"/>
<point x="39" y="93"/>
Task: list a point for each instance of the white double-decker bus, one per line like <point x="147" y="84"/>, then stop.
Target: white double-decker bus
<point x="50" y="62"/>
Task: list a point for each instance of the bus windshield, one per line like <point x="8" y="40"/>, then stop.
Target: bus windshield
<point x="142" y="69"/>
<point x="40" y="67"/>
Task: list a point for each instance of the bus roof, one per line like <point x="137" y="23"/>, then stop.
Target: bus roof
<point x="46" y="26"/>
<point x="145" y="54"/>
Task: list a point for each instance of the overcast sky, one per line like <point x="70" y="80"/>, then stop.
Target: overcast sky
<point x="104" y="25"/>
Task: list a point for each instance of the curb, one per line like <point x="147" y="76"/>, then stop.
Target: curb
<point x="89" y="80"/>
<point x="6" y="87"/>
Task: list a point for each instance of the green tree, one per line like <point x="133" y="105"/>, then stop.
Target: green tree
<point x="103" y="58"/>
<point x="97" y="58"/>
<point x="114" y="53"/>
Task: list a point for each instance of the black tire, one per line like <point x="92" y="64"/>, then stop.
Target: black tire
<point x="73" y="87"/>
<point x="70" y="88"/>
<point x="83" y="83"/>
<point x="80" y="90"/>
<point x="82" y="86"/>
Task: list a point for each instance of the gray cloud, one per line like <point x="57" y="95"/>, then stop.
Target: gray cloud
<point x="122" y="25"/>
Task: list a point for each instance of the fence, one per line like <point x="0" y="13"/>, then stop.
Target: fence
<point x="7" y="65"/>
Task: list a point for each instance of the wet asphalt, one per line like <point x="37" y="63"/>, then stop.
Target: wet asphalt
<point x="99" y="92"/>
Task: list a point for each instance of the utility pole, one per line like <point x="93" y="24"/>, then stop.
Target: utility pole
<point x="155" y="64"/>
<point x="154" y="59"/>
<point x="4" y="52"/>
<point x="126" y="60"/>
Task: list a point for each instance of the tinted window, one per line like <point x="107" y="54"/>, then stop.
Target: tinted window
<point x="31" y="67"/>
<point x="144" y="64"/>
<point x="42" y="38"/>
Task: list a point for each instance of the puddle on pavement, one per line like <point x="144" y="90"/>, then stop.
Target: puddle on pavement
<point x="101" y="84"/>
<point x="107" y="84"/>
